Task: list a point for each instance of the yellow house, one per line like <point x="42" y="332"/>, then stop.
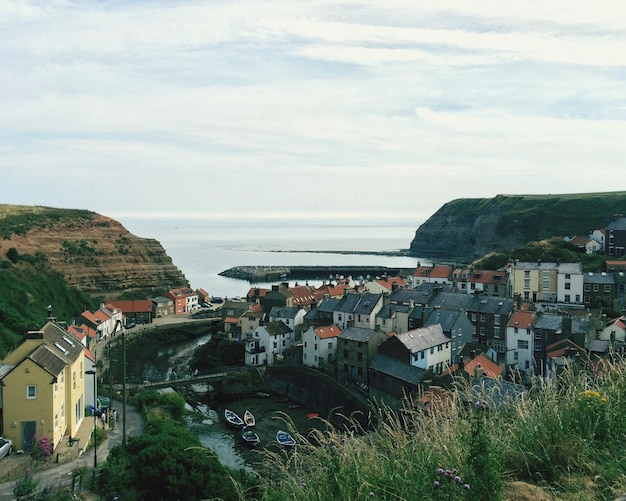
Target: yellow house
<point x="42" y="387"/>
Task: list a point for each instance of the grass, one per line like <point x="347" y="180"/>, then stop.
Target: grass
<point x="566" y="436"/>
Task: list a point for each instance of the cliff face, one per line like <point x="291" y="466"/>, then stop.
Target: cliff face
<point x="94" y="253"/>
<point x="467" y="229"/>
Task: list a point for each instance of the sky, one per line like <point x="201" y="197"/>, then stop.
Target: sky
<point x="386" y="108"/>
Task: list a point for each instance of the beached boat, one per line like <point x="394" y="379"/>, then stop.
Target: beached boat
<point x="284" y="439"/>
<point x="248" y="419"/>
<point x="233" y="419"/>
<point x="249" y="436"/>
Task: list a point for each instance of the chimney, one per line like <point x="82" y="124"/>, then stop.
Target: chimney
<point x="478" y="371"/>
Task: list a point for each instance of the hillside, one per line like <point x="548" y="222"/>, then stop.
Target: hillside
<point x="469" y="228"/>
<point x="94" y="253"/>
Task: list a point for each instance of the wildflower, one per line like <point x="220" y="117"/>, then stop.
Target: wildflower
<point x="466" y="487"/>
<point x="371" y="494"/>
<point x="457" y="479"/>
<point x="302" y="485"/>
<point x="437" y="484"/>
<point x="440" y="471"/>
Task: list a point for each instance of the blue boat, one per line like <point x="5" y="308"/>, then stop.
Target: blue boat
<point x="249" y="436"/>
<point x="233" y="419"/>
<point x="284" y="439"/>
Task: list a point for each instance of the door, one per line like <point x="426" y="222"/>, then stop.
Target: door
<point x="29" y="434"/>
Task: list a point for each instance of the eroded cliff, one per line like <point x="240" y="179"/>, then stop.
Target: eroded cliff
<point x="93" y="252"/>
<point x="469" y="228"/>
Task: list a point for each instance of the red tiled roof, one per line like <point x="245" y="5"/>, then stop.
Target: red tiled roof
<point x="490" y="368"/>
<point x="488" y="277"/>
<point x="136" y="306"/>
<point x="522" y="319"/>
<point x="327" y="331"/>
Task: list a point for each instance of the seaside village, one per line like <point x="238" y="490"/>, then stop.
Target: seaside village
<point x="387" y="337"/>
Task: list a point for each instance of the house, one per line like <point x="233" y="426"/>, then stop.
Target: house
<point x="322" y="313"/>
<point x="43" y="387"/>
<point x="291" y="316"/>
<point x="562" y="354"/>
<point x="392" y="382"/>
<point x="548" y="282"/>
<point x="252" y="318"/>
<point x="356" y="348"/>
<point x="488" y="283"/>
<point x="615" y="331"/>
<point x="358" y="310"/>
<point x="303" y="297"/>
<point x="385" y="285"/>
<point x="267" y="343"/>
<point x="599" y="289"/>
<point x="480" y="366"/>
<point x="426" y="348"/>
<point x="615" y="238"/>
<point x="162" y="306"/>
<point x="278" y="295"/>
<point x="135" y="310"/>
<point x="320" y="346"/>
<point x="185" y="300"/>
<point x="455" y="325"/>
<point x="550" y="328"/>
<point x="489" y="316"/>
<point x="435" y="274"/>
<point x="85" y="334"/>
<point x="520" y="346"/>
<point x="232" y="313"/>
<point x="105" y="321"/>
<point x="586" y="245"/>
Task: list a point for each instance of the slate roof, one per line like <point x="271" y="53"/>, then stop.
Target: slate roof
<point x="619" y="224"/>
<point x="362" y="304"/>
<point x="276" y="328"/>
<point x="284" y="312"/>
<point x="602" y="278"/>
<point x="405" y="296"/>
<point x="571" y="268"/>
<point x="45" y="358"/>
<point x="448" y="319"/>
<point x="360" y="334"/>
<point x="398" y="370"/>
<point x="552" y="322"/>
<point x="423" y="338"/>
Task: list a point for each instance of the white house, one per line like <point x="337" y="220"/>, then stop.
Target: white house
<point x="569" y="283"/>
<point x="267" y="343"/>
<point x="615" y="330"/>
<point x="319" y="345"/>
<point x="291" y="316"/>
<point x="358" y="310"/>
<point x="426" y="348"/>
<point x="520" y="344"/>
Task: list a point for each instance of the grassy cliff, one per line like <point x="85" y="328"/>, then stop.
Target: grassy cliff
<point x="472" y="227"/>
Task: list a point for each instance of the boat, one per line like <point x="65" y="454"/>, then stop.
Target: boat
<point x="233" y="419"/>
<point x="249" y="436"/>
<point x="248" y="419"/>
<point x="284" y="439"/>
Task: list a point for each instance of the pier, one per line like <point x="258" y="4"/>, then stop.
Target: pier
<point x="271" y="273"/>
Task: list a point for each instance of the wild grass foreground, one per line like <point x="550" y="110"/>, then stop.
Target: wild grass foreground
<point x="566" y="437"/>
<point x="564" y="440"/>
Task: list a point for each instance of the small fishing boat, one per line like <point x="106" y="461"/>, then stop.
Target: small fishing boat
<point x="284" y="439"/>
<point x="249" y="436"/>
<point x="233" y="419"/>
<point x="248" y="419"/>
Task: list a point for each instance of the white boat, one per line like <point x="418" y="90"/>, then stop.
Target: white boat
<point x="233" y="419"/>
<point x="248" y="419"/>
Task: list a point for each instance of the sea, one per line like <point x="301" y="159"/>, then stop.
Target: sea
<point x="202" y="247"/>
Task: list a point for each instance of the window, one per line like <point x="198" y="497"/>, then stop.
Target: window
<point x="305" y="344"/>
<point x="315" y="347"/>
<point x="568" y="286"/>
<point x="330" y="346"/>
<point x="527" y="273"/>
<point x="546" y="285"/>
<point x="595" y="287"/>
<point x="31" y="392"/>
<point x="496" y="331"/>
<point x="432" y="350"/>
<point x="587" y="287"/>
<point x="515" y="356"/>
<point x="567" y="276"/>
<point x="607" y="288"/>
<point x="567" y="298"/>
<point x="522" y="344"/>
<point x="345" y="353"/>
<point x="359" y="356"/>
<point x="422" y="354"/>
<point x="56" y="419"/>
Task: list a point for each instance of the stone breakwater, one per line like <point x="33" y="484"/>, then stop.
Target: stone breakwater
<point x="269" y="273"/>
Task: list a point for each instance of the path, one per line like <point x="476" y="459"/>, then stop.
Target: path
<point x="60" y="473"/>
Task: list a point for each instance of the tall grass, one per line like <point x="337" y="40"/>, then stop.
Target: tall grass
<point x="567" y="436"/>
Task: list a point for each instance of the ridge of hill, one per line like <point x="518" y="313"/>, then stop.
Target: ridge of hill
<point x="94" y="253"/>
<point x="468" y="228"/>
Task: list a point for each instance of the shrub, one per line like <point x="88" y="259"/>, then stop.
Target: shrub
<point x="42" y="449"/>
<point x="26" y="485"/>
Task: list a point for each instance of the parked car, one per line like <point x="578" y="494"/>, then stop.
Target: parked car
<point x="6" y="447"/>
